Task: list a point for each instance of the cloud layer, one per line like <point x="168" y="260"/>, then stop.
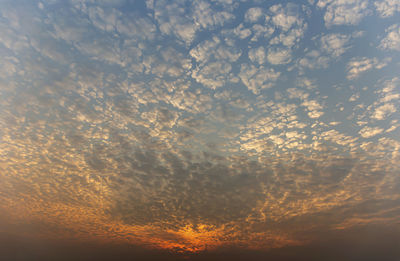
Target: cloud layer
<point x="193" y="125"/>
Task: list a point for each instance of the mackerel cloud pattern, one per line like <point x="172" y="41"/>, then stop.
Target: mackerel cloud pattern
<point x="197" y="124"/>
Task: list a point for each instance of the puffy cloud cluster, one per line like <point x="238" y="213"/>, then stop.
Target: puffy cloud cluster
<point x="368" y="132"/>
<point x="257" y="78"/>
<point x="392" y="39"/>
<point x="388" y="101"/>
<point x="214" y="58"/>
<point x="387" y="8"/>
<point x="338" y="12"/>
<point x="335" y="44"/>
<point x="356" y="66"/>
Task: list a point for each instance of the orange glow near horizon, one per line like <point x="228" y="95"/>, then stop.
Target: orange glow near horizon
<point x="64" y="222"/>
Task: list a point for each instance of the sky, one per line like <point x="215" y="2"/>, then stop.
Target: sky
<point x="208" y="129"/>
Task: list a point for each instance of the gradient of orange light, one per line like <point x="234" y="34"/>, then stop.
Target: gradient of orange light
<point x="92" y="224"/>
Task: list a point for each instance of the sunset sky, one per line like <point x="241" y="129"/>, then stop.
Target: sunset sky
<point x="204" y="130"/>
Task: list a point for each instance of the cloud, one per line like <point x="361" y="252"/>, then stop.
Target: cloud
<point x="174" y="20"/>
<point x="214" y="58"/>
<point x="354" y="97"/>
<point x="289" y="39"/>
<point x="104" y="19"/>
<point x="313" y="60"/>
<point x="331" y="47"/>
<point x="285" y="17"/>
<point x="209" y="18"/>
<point x="257" y="55"/>
<point x="8" y="66"/>
<point x="241" y="31"/>
<point x="340" y="12"/>
<point x="383" y="111"/>
<point x="339" y="138"/>
<point x="212" y="75"/>
<point x="11" y="37"/>
<point x="80" y="33"/>
<point x="295" y="93"/>
<point x="278" y="56"/>
<point x="290" y="23"/>
<point x="256" y="79"/>
<point x="171" y="62"/>
<point x="356" y="66"/>
<point x="253" y="14"/>
<point x="387" y="8"/>
<point x="314" y="108"/>
<point x="193" y="102"/>
<point x="388" y="100"/>
<point x="392" y="39"/>
<point x="184" y="19"/>
<point x="214" y="49"/>
<point x="261" y="31"/>
<point x="335" y="44"/>
<point x="369" y="132"/>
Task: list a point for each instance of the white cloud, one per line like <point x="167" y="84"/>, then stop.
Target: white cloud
<point x="383" y="111"/>
<point x="242" y="32"/>
<point x="261" y="31"/>
<point x="390" y="85"/>
<point x="8" y="67"/>
<point x="289" y="24"/>
<point x="214" y="49"/>
<point x="208" y="18"/>
<point x="389" y="97"/>
<point x="339" y="138"/>
<point x="356" y="66"/>
<point x="335" y="44"/>
<point x="387" y="8"/>
<point x="295" y="93"/>
<point x="314" y="108"/>
<point x="203" y="51"/>
<point x="174" y="20"/>
<point x="279" y="56"/>
<point x="214" y="58"/>
<point x="257" y="55"/>
<point x="354" y="97"/>
<point x="138" y="28"/>
<point x="392" y="38"/>
<point x="184" y="19"/>
<point x="315" y="114"/>
<point x="253" y="14"/>
<point x="393" y="128"/>
<point x="257" y="78"/>
<point x="289" y="38"/>
<point x="171" y="62"/>
<point x="284" y="18"/>
<point x="49" y="47"/>
<point x="104" y="19"/>
<point x="212" y="74"/>
<point x="79" y="33"/>
<point x="368" y="132"/>
<point x="191" y="102"/>
<point x="306" y="82"/>
<point x="313" y="60"/>
<point x="332" y="46"/>
<point x="344" y="12"/>
<point x="11" y="40"/>
<point x="112" y="20"/>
